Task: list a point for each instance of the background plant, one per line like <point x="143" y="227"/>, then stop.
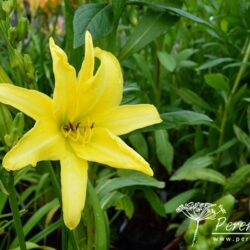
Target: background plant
<point x="191" y="60"/>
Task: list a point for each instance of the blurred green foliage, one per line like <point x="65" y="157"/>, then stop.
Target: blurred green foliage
<point x="188" y="58"/>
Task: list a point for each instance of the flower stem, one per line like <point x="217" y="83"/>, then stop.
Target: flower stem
<point x="90" y="228"/>
<point x="196" y="231"/>
<point x="15" y="212"/>
<point x="101" y="240"/>
<point x="233" y="90"/>
<point x="72" y="239"/>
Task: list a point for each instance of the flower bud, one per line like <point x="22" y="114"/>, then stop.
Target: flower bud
<point x="3" y="76"/>
<point x="2" y="13"/>
<point x="15" y="131"/>
<point x="12" y="35"/>
<point x="5" y="121"/>
<point x="133" y="17"/>
<point x="29" y="67"/>
<point x="8" y="6"/>
<point x="16" y="59"/>
<point x="22" y="28"/>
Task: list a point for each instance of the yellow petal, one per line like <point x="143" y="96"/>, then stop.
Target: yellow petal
<point x="65" y="85"/>
<point x="74" y="178"/>
<point x="127" y="118"/>
<point x="104" y="90"/>
<point x="87" y="69"/>
<point x="31" y="102"/>
<point x="43" y="142"/>
<point x="106" y="148"/>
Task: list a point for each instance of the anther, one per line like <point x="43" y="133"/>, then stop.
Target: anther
<point x="71" y="126"/>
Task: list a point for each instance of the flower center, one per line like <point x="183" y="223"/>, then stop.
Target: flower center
<point x="79" y="130"/>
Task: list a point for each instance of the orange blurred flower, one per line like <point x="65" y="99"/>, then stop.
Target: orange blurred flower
<point x="48" y="6"/>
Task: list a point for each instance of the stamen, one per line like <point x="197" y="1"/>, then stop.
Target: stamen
<point x="75" y="131"/>
<point x="71" y="126"/>
<point x="65" y="130"/>
<point x="78" y="125"/>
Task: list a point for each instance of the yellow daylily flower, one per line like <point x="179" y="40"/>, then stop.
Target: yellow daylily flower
<point x="80" y="124"/>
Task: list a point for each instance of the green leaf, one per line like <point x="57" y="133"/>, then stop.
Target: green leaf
<point x="3" y="189"/>
<point x="247" y="99"/>
<point x="186" y="14"/>
<point x="47" y="231"/>
<point x="206" y="174"/>
<point x="174" y="120"/>
<point x="184" y="55"/>
<point x="167" y="61"/>
<point x="175" y="11"/>
<point x="192" y="98"/>
<point x="248" y="118"/>
<point x="213" y="63"/>
<point x="225" y="146"/>
<point x="118" y="7"/>
<point x="236" y="65"/>
<point x="97" y="18"/>
<point x="190" y="165"/>
<point x="217" y="81"/>
<point x="36" y="217"/>
<point x="238" y="179"/>
<point x="184" y="118"/>
<point x="154" y="201"/>
<point x="110" y="199"/>
<point x="242" y="136"/>
<point x="31" y="245"/>
<point x="139" y="143"/>
<point x="164" y="149"/>
<point x="240" y="94"/>
<point x="26" y="193"/>
<point x="129" y="178"/>
<point x="171" y="205"/>
<point x="3" y="201"/>
<point x="227" y="202"/>
<point x="187" y="64"/>
<point x="152" y="25"/>
<point x="143" y="65"/>
<point x="101" y="227"/>
<point x="126" y="204"/>
<point x="74" y="55"/>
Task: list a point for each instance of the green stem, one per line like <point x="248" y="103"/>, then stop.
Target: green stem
<point x="242" y="69"/>
<point x="64" y="239"/>
<point x="72" y="240"/>
<point x="233" y="90"/>
<point x="15" y="212"/>
<point x="90" y="228"/>
<point x="101" y="241"/>
<point x="158" y="75"/>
